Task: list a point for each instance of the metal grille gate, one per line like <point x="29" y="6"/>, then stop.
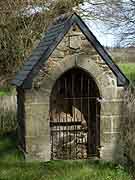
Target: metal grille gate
<point x="74" y="116"/>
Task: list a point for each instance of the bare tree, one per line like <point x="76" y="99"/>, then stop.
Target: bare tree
<point x="119" y="15"/>
<point x="22" y="24"/>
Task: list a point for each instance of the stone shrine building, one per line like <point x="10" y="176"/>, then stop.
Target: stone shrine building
<point x="70" y="96"/>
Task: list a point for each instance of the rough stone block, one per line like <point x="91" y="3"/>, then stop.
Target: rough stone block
<point x="75" y="41"/>
<point x="110" y="92"/>
<point x="37" y="120"/>
<point x="38" y="148"/>
<point x="109" y="152"/>
<point x="105" y="123"/>
<point x="111" y="123"/>
<point x="64" y="44"/>
<point x="116" y="121"/>
<point x="104" y="79"/>
<point x="36" y="96"/>
<point x="120" y="92"/>
<point x="86" y="63"/>
<point x="109" y="137"/>
<point x="114" y="107"/>
<point x="58" y="53"/>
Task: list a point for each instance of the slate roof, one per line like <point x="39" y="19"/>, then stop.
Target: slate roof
<point x="52" y="38"/>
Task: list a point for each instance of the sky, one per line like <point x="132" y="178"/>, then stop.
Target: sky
<point x="105" y="36"/>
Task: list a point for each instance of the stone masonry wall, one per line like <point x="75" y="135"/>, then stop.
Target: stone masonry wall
<point x="73" y="51"/>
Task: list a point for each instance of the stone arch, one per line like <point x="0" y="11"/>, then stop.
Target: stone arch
<point x="102" y="79"/>
<point x="38" y="102"/>
<point x="78" y="101"/>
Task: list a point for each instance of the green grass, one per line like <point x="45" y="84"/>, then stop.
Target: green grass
<point x="129" y="70"/>
<point x="2" y="93"/>
<point x="7" y="91"/>
<point x="13" y="167"/>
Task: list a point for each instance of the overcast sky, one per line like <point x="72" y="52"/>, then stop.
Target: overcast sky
<point x="105" y="36"/>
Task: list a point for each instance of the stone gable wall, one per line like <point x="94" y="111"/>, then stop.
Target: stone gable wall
<point x="75" y="43"/>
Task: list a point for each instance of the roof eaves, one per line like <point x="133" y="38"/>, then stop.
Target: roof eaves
<point x="52" y="36"/>
<point x="68" y="23"/>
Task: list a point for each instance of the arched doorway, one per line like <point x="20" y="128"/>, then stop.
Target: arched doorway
<point x="74" y="116"/>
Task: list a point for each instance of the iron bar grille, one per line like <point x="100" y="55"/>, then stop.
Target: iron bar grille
<point x="74" y="116"/>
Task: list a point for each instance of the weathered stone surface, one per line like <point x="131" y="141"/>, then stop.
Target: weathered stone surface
<point x="120" y="92"/>
<point x="37" y="120"/>
<point x="75" y="40"/>
<point x="105" y="123"/>
<point x="109" y="137"/>
<point x="58" y="53"/>
<point x="111" y="123"/>
<point x="113" y="152"/>
<point x="37" y="96"/>
<point x="114" y="107"/>
<point x="74" y="51"/>
<point x="38" y="148"/>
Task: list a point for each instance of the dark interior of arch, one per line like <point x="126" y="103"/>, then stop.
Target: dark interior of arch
<point x="75" y="116"/>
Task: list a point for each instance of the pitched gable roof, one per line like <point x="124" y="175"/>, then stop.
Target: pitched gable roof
<point x="52" y="38"/>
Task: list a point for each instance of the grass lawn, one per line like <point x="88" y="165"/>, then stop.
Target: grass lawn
<point x="129" y="70"/>
<point x="13" y="167"/>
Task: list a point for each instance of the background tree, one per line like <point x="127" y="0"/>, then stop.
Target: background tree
<point x="22" y="24"/>
<point x="119" y="15"/>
